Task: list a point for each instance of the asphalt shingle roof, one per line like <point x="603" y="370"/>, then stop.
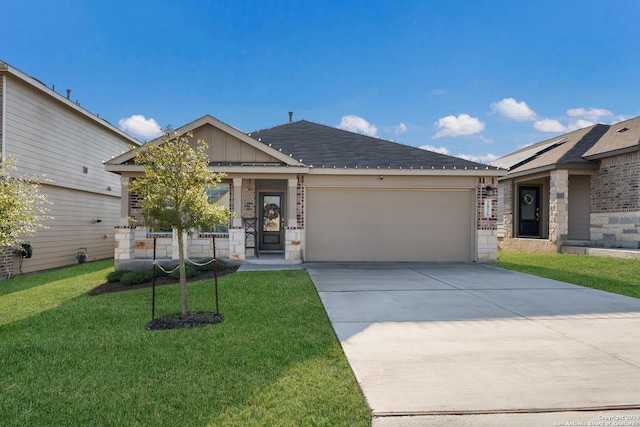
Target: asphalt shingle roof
<point x="324" y="146"/>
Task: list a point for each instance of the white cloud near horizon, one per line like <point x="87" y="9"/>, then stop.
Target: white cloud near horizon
<point x="138" y="125"/>
<point x="471" y="157"/>
<point x="549" y="125"/>
<point x="592" y="114"/>
<point x="454" y="126"/>
<point x="441" y="150"/>
<point x="359" y="125"/>
<point x="514" y="110"/>
<point x="579" y="124"/>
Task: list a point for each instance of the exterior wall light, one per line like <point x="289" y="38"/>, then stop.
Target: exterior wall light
<point x="489" y="191"/>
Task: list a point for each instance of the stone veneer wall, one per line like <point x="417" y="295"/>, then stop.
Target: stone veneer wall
<point x="487" y="225"/>
<point x="506" y="187"/>
<point x="558" y="206"/>
<point x="135" y="243"/>
<point x="615" y="202"/>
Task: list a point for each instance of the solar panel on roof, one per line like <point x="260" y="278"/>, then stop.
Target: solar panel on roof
<point x="512" y="160"/>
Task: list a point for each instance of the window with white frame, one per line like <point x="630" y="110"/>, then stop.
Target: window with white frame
<point x="221" y="196"/>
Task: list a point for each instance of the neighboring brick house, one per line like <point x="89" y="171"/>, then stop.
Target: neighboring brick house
<point x="317" y="193"/>
<point x="53" y="136"/>
<point x="581" y="188"/>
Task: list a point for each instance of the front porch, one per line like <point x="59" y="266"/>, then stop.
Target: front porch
<point x="267" y="221"/>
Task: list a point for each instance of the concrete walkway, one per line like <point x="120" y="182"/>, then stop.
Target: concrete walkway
<point x="478" y="345"/>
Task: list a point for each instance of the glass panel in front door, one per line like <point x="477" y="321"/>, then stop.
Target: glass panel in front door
<point x="271" y="213"/>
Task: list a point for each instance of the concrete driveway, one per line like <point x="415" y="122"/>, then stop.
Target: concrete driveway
<point x="467" y="339"/>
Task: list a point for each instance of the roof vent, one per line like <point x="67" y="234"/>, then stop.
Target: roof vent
<point x="622" y="130"/>
<point x="290" y="116"/>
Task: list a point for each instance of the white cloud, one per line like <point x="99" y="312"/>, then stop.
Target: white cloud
<point x="357" y="124"/>
<point x="514" y="110"/>
<point x="474" y="158"/>
<point x="592" y="114"/>
<point x="401" y="128"/>
<point x="549" y="125"/>
<point x="439" y="92"/>
<point x="441" y="150"/>
<point x="579" y="124"/>
<point x="140" y="126"/>
<point x="486" y="158"/>
<point x="458" y="126"/>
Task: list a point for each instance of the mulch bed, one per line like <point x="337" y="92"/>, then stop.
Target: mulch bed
<point x="172" y="321"/>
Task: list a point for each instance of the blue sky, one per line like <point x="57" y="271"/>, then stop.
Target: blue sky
<point x="474" y="78"/>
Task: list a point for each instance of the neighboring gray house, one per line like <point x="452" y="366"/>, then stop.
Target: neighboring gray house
<point x="317" y="193"/>
<point x="581" y="188"/>
<point x="55" y="137"/>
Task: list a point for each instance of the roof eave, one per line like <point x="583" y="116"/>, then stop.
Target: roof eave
<point x="612" y="153"/>
<point x="407" y="171"/>
<point x="547" y="168"/>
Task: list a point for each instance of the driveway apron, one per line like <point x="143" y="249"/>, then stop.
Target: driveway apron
<point x="464" y="338"/>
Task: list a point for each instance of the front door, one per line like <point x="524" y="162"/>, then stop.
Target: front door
<point x="271" y="222"/>
<point x="529" y="224"/>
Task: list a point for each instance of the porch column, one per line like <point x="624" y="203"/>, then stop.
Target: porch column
<point x="237" y="243"/>
<point x="292" y="198"/>
<point x="124" y="201"/>
<point x="237" y="203"/>
<point x="558" y="206"/>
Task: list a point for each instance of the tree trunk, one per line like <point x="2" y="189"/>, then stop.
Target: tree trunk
<point x="183" y="275"/>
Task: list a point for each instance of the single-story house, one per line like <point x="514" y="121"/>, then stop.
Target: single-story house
<point x="54" y="136"/>
<point x="317" y="193"/>
<point x="578" y="189"/>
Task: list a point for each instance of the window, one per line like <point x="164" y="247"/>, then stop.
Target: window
<point x="221" y="196"/>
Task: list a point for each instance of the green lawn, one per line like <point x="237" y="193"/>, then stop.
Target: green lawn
<point x="67" y="358"/>
<point x="618" y="275"/>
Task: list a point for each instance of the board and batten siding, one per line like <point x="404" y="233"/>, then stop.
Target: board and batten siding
<point x="51" y="138"/>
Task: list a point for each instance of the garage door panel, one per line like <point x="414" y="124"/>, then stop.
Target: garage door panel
<point x="388" y="225"/>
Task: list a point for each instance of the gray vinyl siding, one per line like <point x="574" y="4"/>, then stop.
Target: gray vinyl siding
<point x="73" y="227"/>
<point x="53" y="139"/>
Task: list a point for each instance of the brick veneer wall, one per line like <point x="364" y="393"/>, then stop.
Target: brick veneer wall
<point x="6" y="262"/>
<point x="300" y="201"/>
<point x="487" y="223"/>
<point x="615" y="188"/>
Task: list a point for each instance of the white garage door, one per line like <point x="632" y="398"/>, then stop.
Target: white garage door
<point x="389" y="225"/>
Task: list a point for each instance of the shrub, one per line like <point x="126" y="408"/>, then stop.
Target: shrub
<point x="136" y="277"/>
<point x="220" y="264"/>
<point x="115" y="276"/>
<point x="189" y="270"/>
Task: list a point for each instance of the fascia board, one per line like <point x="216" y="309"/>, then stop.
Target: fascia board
<point x="408" y="172"/>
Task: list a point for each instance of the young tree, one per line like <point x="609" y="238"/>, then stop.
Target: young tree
<point x="173" y="191"/>
<point x="23" y="208"/>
